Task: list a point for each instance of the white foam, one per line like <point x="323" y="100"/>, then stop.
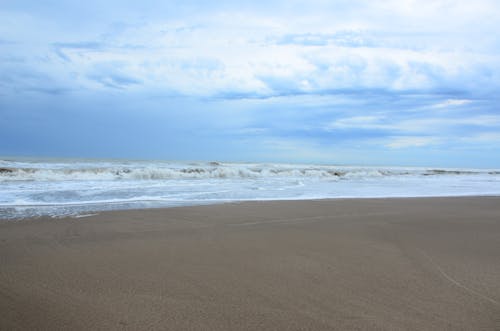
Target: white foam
<point x="66" y="187"/>
<point x="84" y="215"/>
<point x="140" y="171"/>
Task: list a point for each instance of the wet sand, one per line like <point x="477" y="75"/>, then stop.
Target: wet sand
<point x="364" y="264"/>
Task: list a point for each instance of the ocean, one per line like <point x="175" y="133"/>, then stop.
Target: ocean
<point x="65" y="187"/>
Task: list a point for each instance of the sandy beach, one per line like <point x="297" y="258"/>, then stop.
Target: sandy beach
<point x="361" y="264"/>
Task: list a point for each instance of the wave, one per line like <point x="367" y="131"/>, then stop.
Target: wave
<point x="32" y="188"/>
<point x="215" y="170"/>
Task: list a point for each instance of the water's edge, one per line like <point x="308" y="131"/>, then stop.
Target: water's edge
<point x="59" y="188"/>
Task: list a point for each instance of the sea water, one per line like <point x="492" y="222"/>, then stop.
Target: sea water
<point x="36" y="187"/>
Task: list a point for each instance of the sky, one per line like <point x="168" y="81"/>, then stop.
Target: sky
<point x="358" y="82"/>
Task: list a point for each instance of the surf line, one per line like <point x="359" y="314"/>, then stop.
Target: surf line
<point x="83" y="215"/>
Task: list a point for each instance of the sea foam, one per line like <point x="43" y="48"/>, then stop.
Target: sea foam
<point x="65" y="187"/>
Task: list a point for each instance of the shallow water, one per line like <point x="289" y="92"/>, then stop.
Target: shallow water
<point x="31" y="187"/>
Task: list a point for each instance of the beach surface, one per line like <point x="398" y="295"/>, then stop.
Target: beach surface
<point x="350" y="264"/>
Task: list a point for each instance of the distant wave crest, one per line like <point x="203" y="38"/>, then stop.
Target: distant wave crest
<point x="213" y="170"/>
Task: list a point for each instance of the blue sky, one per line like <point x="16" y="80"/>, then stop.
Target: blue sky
<point x="345" y="82"/>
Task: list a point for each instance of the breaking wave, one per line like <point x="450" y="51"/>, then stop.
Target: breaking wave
<point x="69" y="187"/>
<point x="212" y="170"/>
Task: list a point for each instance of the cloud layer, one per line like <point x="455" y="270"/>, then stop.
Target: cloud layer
<point x="324" y="82"/>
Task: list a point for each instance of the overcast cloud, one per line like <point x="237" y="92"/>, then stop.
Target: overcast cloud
<point x="351" y="82"/>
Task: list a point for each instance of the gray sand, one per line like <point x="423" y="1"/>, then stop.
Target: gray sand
<point x="387" y="264"/>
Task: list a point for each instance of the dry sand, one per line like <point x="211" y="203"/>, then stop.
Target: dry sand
<point x="387" y="264"/>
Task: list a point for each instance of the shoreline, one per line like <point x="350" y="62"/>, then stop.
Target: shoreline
<point x="341" y="264"/>
<point x="223" y="203"/>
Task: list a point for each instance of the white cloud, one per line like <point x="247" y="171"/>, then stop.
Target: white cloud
<point x="360" y="122"/>
<point x="307" y="80"/>
<point x="433" y="125"/>
<point x="406" y="142"/>
<point x="452" y="103"/>
<point x="360" y="50"/>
